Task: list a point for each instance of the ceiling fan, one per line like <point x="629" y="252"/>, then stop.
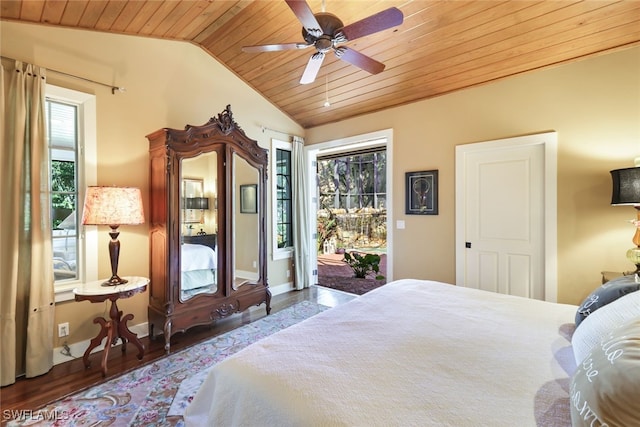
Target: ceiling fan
<point x="326" y="32"/>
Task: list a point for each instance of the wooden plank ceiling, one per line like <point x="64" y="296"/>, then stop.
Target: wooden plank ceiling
<point x="441" y="47"/>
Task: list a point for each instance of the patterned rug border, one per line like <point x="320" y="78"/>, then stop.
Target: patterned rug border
<point x="144" y="395"/>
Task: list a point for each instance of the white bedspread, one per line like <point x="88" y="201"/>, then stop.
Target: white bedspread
<point x="410" y="353"/>
<point x="197" y="257"/>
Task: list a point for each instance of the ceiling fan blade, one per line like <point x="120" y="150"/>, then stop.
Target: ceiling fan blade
<point x="274" y="47"/>
<point x="313" y="66"/>
<point x="380" y="21"/>
<point x="305" y="15"/>
<point x="360" y="60"/>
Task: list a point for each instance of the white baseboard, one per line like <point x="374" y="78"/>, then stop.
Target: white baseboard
<point x="250" y="275"/>
<point x="77" y="349"/>
<point x="281" y="289"/>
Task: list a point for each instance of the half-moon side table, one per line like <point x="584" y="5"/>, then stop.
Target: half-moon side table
<point x="117" y="326"/>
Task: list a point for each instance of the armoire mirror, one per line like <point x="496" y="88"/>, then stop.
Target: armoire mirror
<point x="207" y="195"/>
<point x="246" y="225"/>
<point x="198" y="250"/>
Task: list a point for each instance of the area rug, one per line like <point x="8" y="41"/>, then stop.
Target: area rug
<point x="352" y="285"/>
<point x="143" y="397"/>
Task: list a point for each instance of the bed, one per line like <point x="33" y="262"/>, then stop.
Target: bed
<point x="198" y="268"/>
<point x="416" y="353"/>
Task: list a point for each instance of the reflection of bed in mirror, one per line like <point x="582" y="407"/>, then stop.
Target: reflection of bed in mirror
<point x="199" y="266"/>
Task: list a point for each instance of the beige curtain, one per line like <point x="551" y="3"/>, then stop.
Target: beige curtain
<point x="26" y="269"/>
<point x="301" y="239"/>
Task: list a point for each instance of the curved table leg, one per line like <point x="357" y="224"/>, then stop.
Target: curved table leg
<point x="107" y="347"/>
<point x="127" y="335"/>
<point x="119" y="333"/>
<point x="104" y="331"/>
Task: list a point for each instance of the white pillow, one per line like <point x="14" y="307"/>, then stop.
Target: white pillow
<point x="601" y="322"/>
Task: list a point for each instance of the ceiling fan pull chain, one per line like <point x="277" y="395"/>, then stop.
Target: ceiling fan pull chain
<point x="326" y="92"/>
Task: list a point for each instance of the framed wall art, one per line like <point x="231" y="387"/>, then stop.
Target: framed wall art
<point x="421" y="193"/>
<point x="249" y="198"/>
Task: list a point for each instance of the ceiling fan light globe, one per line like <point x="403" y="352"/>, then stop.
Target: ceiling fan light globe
<point x="324" y="44"/>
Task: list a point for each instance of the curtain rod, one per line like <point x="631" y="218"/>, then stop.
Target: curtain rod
<point x="113" y="88"/>
<point x="263" y="128"/>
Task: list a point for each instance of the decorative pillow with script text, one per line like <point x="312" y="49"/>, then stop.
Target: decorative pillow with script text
<point x="602" y="321"/>
<point x="605" y="389"/>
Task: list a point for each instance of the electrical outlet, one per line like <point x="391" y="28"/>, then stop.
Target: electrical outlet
<point x="63" y="329"/>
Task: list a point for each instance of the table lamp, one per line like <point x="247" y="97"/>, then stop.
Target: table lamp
<point x="113" y="206"/>
<point x="200" y="203"/>
<point x="626" y="191"/>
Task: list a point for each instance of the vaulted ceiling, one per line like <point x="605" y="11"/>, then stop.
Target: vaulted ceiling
<point x="441" y="47"/>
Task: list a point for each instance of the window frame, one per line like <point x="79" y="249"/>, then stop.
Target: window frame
<point x="286" y="252"/>
<point x="87" y="256"/>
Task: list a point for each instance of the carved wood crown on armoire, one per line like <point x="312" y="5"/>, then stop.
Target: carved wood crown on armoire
<point x="211" y="178"/>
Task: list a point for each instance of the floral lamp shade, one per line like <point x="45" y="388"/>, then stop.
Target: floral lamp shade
<point x="113" y="206"/>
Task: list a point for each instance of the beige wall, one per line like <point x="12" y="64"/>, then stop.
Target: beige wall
<point x="593" y="104"/>
<point x="168" y="84"/>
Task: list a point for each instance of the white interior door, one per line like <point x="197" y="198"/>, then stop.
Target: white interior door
<point x="501" y="216"/>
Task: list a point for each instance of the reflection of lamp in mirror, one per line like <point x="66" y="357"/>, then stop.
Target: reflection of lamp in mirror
<point x="626" y="191"/>
<point x="113" y="206"/>
<point x="201" y="203"/>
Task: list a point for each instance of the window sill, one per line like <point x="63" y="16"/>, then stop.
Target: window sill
<point x="64" y="292"/>
<point x="283" y="253"/>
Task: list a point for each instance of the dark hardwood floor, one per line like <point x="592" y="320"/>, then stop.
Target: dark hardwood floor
<point x="70" y="377"/>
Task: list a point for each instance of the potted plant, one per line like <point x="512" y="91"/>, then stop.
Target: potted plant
<point x="363" y="264"/>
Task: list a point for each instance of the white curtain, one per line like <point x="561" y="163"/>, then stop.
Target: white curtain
<point x="301" y="238"/>
<point x="26" y="269"/>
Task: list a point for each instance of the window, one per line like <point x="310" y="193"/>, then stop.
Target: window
<point x="70" y="120"/>
<point x="282" y="200"/>
<point x="62" y="123"/>
<point x="352" y="194"/>
<point x="353" y="181"/>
